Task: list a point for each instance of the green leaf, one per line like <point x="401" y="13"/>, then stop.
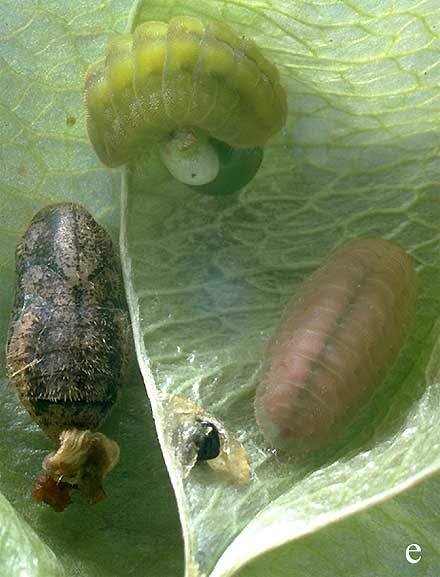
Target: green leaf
<point x="207" y="280"/>
<point x="22" y="551"/>
<point x="45" y="157"/>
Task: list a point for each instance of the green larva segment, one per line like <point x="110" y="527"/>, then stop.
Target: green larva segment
<point x="335" y="344"/>
<point x="190" y="74"/>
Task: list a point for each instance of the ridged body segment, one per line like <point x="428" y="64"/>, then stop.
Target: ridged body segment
<point x="68" y="333"/>
<point x="188" y="73"/>
<point x="336" y="341"/>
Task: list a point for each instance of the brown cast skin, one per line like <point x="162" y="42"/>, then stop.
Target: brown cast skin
<point x="54" y="493"/>
<point x="68" y="333"/>
<point x="335" y="344"/>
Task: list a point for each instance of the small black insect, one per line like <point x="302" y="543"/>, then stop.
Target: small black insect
<point x="207" y="441"/>
<point x="67" y="345"/>
<point x="198" y="437"/>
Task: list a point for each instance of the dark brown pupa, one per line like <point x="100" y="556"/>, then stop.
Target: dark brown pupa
<point x="67" y="345"/>
<point x="336" y="341"/>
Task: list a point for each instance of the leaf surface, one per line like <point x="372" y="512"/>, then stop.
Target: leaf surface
<point x="208" y="279"/>
<point x="45" y="157"/>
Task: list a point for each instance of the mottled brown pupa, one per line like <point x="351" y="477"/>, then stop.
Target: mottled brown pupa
<point x="67" y="345"/>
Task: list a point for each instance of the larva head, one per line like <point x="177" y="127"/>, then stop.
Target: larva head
<point x="206" y="96"/>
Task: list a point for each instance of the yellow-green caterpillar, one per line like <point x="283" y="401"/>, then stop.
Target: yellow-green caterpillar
<point x="195" y="88"/>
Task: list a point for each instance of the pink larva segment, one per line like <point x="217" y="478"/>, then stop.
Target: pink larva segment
<point x="336" y="341"/>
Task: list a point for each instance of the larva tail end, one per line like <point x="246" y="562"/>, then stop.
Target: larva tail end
<point x="286" y="429"/>
<point x="82" y="460"/>
<point x="270" y="430"/>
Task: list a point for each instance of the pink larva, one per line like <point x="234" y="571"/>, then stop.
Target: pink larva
<point x="336" y="341"/>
